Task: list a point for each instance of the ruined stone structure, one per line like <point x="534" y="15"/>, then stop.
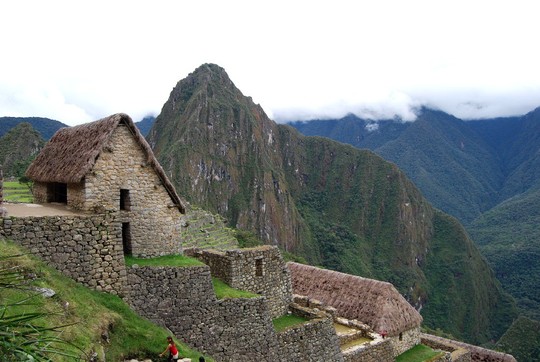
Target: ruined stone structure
<point x="229" y="329"/>
<point x="373" y="302"/>
<point x="258" y="270"/>
<point x="107" y="167"/>
<point x="464" y="352"/>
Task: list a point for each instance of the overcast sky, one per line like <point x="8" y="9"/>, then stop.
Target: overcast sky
<point x="77" y="61"/>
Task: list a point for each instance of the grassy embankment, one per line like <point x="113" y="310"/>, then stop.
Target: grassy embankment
<point x="15" y="191"/>
<point x="94" y="323"/>
<point x="419" y="353"/>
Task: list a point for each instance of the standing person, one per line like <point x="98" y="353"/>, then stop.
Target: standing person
<point x="173" y="351"/>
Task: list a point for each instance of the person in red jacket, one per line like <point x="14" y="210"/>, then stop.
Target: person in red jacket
<point x="173" y="351"/>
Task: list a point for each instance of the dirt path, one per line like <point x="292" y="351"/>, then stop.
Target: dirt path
<point x="21" y="210"/>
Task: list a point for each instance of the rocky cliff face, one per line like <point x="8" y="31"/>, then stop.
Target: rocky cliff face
<point x="337" y="206"/>
<point x="223" y="154"/>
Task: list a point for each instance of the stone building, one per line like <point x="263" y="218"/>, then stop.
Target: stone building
<point x="375" y="303"/>
<point x="107" y="166"/>
<point x="259" y="270"/>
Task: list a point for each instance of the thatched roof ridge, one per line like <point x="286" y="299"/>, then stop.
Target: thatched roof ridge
<point x="72" y="152"/>
<point x="373" y="302"/>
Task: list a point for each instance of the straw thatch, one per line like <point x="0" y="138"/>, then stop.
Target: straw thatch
<point x="72" y="152"/>
<point x="375" y="303"/>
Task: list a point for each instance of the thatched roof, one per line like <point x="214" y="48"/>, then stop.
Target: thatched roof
<point x="375" y="303"/>
<point x="72" y="152"/>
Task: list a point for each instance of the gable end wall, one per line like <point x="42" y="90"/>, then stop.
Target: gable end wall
<point x="154" y="220"/>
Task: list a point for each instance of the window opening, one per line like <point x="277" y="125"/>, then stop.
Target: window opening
<point x="126" y="238"/>
<point x="258" y="267"/>
<point x="125" y="202"/>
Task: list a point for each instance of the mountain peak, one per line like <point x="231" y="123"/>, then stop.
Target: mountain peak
<point x="209" y="73"/>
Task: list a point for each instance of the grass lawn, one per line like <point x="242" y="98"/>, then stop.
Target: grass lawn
<point x="419" y="353"/>
<point x="14" y="191"/>
<point x="166" y="260"/>
<point x="224" y="291"/>
<point x="288" y="320"/>
<point x="221" y="289"/>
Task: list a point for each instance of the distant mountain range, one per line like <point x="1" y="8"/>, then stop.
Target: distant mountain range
<point x="45" y="126"/>
<point x="484" y="172"/>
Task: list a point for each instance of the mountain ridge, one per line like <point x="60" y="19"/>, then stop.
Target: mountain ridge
<point x="485" y="172"/>
<point x="332" y="204"/>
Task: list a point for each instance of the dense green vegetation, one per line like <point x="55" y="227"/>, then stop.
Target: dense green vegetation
<point x="86" y="315"/>
<point x="289" y="320"/>
<point x="419" y="353"/>
<point x="522" y="340"/>
<point x="509" y="237"/>
<point x="447" y="262"/>
<point x="18" y="148"/>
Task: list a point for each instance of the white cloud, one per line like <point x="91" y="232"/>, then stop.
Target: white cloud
<point x="75" y="62"/>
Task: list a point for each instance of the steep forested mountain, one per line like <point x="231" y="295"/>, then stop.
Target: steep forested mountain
<point x="18" y="148"/>
<point x="484" y="172"/>
<point x="45" y="126"/>
<point x="334" y="205"/>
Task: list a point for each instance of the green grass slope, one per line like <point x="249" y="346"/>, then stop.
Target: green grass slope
<point x="96" y="324"/>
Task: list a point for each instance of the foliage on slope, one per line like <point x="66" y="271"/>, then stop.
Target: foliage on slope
<point x="18" y="148"/>
<point x="509" y="237"/>
<point x="522" y="340"/>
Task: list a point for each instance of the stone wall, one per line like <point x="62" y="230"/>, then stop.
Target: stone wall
<point x="315" y="340"/>
<point x="39" y="192"/>
<point x="317" y="336"/>
<point x="259" y="270"/>
<point x="378" y="351"/>
<point x="154" y="222"/>
<point x="87" y="249"/>
<point x="184" y="301"/>
<point x="463" y="352"/>
<point x="405" y="341"/>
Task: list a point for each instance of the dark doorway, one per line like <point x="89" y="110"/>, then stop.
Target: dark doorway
<point x="57" y="192"/>
<point x="125" y="202"/>
<point x="126" y="238"/>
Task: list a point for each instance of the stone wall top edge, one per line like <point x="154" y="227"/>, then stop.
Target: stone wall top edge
<point x="167" y="267"/>
<point x="58" y="217"/>
<point x="469" y="347"/>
